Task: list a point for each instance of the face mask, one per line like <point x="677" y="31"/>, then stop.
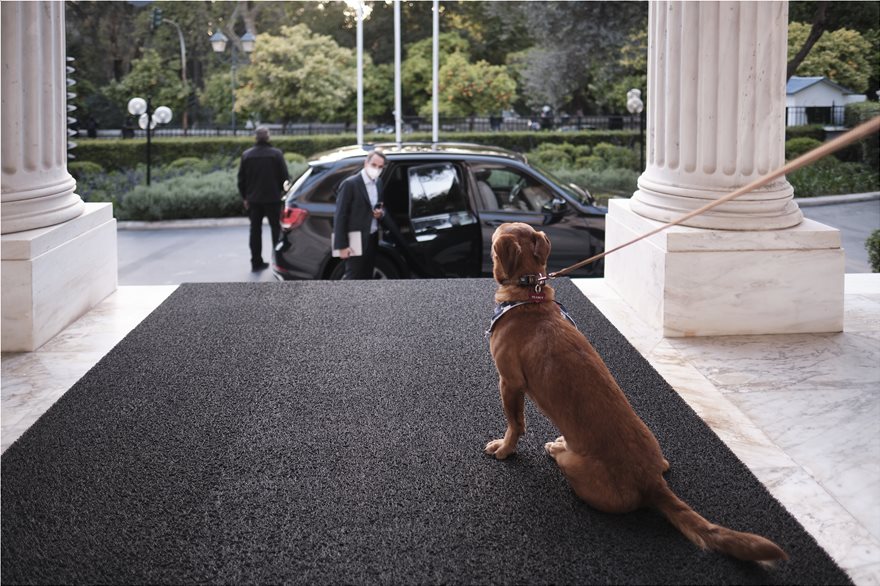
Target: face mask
<point x="373" y="173"/>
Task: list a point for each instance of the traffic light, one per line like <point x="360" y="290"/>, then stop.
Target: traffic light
<point x="157" y="19"/>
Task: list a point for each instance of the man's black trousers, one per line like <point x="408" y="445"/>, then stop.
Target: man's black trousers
<point x="257" y="211"/>
<point x="361" y="267"/>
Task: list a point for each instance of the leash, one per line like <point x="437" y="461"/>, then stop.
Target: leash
<point x="859" y="132"/>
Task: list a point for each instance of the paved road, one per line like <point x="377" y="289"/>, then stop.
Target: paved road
<point x="171" y="256"/>
<point x="855" y="221"/>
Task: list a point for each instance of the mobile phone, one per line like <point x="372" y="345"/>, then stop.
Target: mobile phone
<point x="378" y="206"/>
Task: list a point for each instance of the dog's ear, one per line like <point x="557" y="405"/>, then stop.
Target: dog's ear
<point x="541" y="247"/>
<point x="507" y="252"/>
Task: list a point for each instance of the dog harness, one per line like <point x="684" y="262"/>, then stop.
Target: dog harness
<point x="503" y="308"/>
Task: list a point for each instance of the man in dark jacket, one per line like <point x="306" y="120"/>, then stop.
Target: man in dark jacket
<point x="261" y="177"/>
<point x="359" y="207"/>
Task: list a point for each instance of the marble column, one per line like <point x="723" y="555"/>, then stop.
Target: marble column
<point x="716" y="114"/>
<point x="37" y="190"/>
<point x="58" y="253"/>
<point x="716" y="122"/>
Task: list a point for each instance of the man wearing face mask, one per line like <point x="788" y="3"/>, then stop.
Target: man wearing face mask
<point x="359" y="207"/>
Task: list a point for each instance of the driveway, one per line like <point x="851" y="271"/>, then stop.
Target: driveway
<point x="217" y="251"/>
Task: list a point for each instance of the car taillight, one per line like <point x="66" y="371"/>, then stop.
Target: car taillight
<point x="293" y="218"/>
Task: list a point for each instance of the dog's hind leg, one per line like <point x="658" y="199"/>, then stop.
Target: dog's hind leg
<point x="513" y="401"/>
<point x="591" y="482"/>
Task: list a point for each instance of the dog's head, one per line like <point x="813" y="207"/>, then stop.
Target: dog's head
<point x="517" y="250"/>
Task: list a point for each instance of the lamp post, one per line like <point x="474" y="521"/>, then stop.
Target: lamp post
<point x="635" y="106"/>
<point x="148" y="119"/>
<point x="218" y="43"/>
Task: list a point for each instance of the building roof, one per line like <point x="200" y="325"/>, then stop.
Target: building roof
<point x="796" y="84"/>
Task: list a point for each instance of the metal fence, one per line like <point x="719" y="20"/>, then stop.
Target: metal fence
<point x="826" y="115"/>
<point x="410" y="125"/>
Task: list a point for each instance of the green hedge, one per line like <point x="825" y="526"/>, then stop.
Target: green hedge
<point x="118" y="154"/>
<point x="872" y="245"/>
<point x="868" y="150"/>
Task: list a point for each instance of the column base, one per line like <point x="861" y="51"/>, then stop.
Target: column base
<point x="52" y="276"/>
<point x="699" y="282"/>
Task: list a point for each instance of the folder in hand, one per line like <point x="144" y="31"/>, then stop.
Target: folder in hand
<point x="354" y="241"/>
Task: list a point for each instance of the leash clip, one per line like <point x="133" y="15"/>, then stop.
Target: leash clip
<point x="540" y="282"/>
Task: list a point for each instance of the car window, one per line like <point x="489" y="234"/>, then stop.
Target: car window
<point x="320" y="182"/>
<point x="435" y="189"/>
<point x="437" y="201"/>
<point x="509" y="189"/>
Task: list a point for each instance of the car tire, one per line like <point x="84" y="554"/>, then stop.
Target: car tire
<point x="384" y="269"/>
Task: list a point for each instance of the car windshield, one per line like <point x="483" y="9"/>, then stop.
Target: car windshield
<point x="574" y="192"/>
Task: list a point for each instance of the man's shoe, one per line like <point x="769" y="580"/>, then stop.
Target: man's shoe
<point x="259" y="266"/>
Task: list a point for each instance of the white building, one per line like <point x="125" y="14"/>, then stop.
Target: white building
<point x="817" y="100"/>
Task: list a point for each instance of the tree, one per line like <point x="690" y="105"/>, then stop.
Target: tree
<point x="216" y="96"/>
<point x="823" y="16"/>
<point x="297" y="75"/>
<point x="417" y="69"/>
<point x="468" y="89"/>
<point x="839" y="55"/>
<point x="572" y="41"/>
<point x="152" y="78"/>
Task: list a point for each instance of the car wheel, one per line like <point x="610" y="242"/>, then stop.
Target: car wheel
<point x="384" y="269"/>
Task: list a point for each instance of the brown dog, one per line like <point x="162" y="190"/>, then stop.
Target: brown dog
<point x="609" y="456"/>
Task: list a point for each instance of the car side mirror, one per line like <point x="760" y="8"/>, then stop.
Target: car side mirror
<point x="556" y="207"/>
<point x="554" y="210"/>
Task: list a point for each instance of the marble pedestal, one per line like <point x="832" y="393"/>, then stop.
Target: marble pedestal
<point x="51" y="276"/>
<point x="697" y="282"/>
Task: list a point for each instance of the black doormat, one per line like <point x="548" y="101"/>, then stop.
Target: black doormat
<point x="332" y="432"/>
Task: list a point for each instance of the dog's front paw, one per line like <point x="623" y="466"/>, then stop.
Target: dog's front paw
<point x="499" y="449"/>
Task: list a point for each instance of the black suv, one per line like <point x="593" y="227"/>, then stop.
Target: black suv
<point x="442" y="202"/>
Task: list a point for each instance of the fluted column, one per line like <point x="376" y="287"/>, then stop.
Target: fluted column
<point x="716" y="114"/>
<point x="37" y="191"/>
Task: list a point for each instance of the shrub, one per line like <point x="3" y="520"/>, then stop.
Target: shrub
<point x="616" y="157"/>
<point x="832" y="177"/>
<point x="565" y="155"/>
<point x="213" y="195"/>
<point x="294" y="158"/>
<point x="869" y="148"/>
<point x="601" y="182"/>
<point x="872" y="245"/>
<point x="795" y="147"/>
<point x="191" y="164"/>
<point x="81" y="169"/>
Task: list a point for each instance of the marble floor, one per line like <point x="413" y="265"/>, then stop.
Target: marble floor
<point x="801" y="411"/>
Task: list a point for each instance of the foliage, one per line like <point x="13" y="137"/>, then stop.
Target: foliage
<point x="417" y="69"/>
<point x="190" y="164"/>
<point x="214" y="195"/>
<point x="795" y="147"/>
<point x="297" y="75"/>
<point x="832" y="177"/>
<point x="116" y="155"/>
<point x="467" y="89"/>
<point x="872" y="245"/>
<point x="294" y="158"/>
<point x="216" y="96"/>
<point x="81" y="169"/>
<point x="572" y="41"/>
<point x="869" y="148"/>
<point x="560" y="156"/>
<point x="839" y="55"/>
<point x="600" y="183"/>
<point x="599" y="157"/>
<point x="154" y="79"/>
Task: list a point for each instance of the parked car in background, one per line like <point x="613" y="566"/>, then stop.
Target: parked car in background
<point x="443" y="202"/>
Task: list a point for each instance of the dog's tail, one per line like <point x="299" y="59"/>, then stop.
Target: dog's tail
<point x="706" y="535"/>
